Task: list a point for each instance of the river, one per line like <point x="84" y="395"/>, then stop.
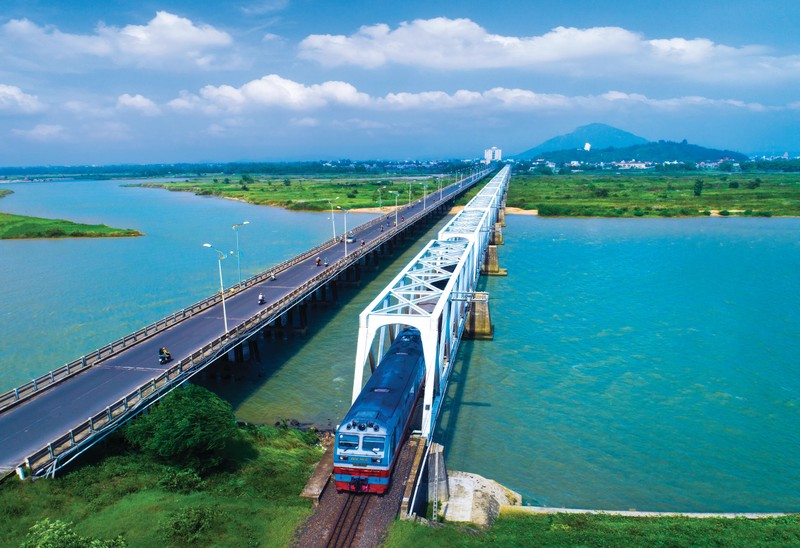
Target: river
<point x="637" y="363"/>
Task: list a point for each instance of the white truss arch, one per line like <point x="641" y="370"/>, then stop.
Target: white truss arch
<point x="432" y="293"/>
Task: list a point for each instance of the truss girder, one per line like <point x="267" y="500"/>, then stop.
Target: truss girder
<point x="432" y="293"/>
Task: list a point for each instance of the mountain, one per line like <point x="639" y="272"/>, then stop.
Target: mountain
<point x="662" y="151"/>
<point x="599" y="135"/>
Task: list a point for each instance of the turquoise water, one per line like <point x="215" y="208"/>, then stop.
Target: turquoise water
<point x="640" y="363"/>
<point x="649" y="364"/>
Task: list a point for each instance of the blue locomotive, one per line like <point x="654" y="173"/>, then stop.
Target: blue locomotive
<point x="369" y="439"/>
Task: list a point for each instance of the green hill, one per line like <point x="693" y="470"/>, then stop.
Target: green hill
<point x="600" y="136"/>
<point x="662" y="151"/>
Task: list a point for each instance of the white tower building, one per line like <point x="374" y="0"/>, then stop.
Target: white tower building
<point x="493" y="154"/>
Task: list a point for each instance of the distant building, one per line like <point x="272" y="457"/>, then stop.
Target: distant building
<point x="493" y="154"/>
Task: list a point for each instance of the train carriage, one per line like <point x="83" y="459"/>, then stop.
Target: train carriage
<point x="369" y="438"/>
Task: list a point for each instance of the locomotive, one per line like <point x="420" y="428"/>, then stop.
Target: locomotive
<point x="369" y="439"/>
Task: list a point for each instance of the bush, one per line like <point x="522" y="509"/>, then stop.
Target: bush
<point x="187" y="526"/>
<point x="191" y="426"/>
<point x="58" y="534"/>
<point x="180" y="481"/>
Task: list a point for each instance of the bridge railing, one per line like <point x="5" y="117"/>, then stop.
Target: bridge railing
<point x="126" y="407"/>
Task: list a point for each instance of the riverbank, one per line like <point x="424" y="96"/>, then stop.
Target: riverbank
<point x="19" y="227"/>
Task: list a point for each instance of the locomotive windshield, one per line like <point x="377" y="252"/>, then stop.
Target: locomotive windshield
<point x="347" y="441"/>
<point x="373" y="444"/>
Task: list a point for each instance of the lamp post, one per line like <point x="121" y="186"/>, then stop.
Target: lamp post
<point x="424" y="195"/>
<point x="409" y="193"/>
<point x="221" y="286"/>
<point x="396" y="196"/>
<point x="380" y="198"/>
<point x="238" y="257"/>
<point x="345" y="228"/>
<point x="333" y="224"/>
<point x="439" y="184"/>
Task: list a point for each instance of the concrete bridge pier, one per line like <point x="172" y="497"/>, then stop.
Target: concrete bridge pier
<point x="491" y="263"/>
<point x="497" y="235"/>
<point x="479" y="322"/>
<point x="501" y="215"/>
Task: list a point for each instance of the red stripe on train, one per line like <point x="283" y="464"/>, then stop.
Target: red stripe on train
<point x="362" y="472"/>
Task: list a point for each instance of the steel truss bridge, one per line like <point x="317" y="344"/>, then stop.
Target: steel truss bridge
<point x="434" y="293"/>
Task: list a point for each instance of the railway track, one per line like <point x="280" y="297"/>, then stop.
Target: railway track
<point x="345" y="529"/>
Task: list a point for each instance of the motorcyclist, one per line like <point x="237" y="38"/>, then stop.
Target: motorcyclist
<point x="260" y="298"/>
<point x="164" y="355"/>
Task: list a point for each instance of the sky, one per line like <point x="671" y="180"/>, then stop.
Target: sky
<point x="172" y="81"/>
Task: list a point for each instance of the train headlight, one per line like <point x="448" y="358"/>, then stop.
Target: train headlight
<point x="343" y="457"/>
<point x="376" y="459"/>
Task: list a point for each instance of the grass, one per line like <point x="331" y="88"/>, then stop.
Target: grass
<point x="252" y="502"/>
<point x="308" y="194"/>
<point x="653" y="195"/>
<point x="513" y="529"/>
<point x="21" y="226"/>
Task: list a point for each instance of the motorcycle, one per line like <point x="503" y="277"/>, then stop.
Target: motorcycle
<point x="261" y="299"/>
<point x="164" y="357"/>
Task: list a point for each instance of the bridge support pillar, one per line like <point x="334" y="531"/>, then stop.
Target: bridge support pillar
<point x="479" y="322"/>
<point x="501" y="216"/>
<point x="254" y="351"/>
<point x="497" y="235"/>
<point x="438" y="489"/>
<point x="491" y="263"/>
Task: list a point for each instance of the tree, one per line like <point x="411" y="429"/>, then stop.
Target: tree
<point x="247" y="179"/>
<point x="698" y="187"/>
<point x="191" y="427"/>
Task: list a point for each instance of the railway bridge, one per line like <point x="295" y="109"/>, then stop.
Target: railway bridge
<point x="51" y="420"/>
<point x="435" y="293"/>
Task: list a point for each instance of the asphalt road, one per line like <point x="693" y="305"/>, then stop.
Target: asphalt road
<point x="31" y="425"/>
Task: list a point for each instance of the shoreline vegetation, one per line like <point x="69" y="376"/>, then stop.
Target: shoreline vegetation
<point x="189" y="473"/>
<point x="22" y="227"/>
<point x="571" y="195"/>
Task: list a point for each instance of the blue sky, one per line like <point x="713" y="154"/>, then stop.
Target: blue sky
<point x="90" y="82"/>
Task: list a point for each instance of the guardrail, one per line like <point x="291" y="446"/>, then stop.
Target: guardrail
<point x="126" y="407"/>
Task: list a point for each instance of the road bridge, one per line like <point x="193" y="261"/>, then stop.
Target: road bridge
<point x="53" y="419"/>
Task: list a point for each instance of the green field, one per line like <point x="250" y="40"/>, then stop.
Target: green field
<point x="653" y="195"/>
<point x="518" y="529"/>
<point x="309" y="194"/>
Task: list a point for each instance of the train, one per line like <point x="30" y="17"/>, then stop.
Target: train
<point x="369" y="439"/>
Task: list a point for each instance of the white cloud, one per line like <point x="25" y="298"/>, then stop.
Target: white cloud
<point x="43" y="133"/>
<point x="13" y="99"/>
<point x="166" y="42"/>
<point x="138" y="103"/>
<point x="271" y="91"/>
<point x="275" y="92"/>
<point x="461" y="44"/>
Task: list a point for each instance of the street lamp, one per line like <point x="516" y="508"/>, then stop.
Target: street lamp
<point x="221" y="286"/>
<point x="345" y="228"/>
<point x="238" y="260"/>
<point x="425" y="195"/>
<point x="380" y="198"/>
<point x="333" y="224"/>
<point x="409" y="193"/>
<point x="396" y="196"/>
